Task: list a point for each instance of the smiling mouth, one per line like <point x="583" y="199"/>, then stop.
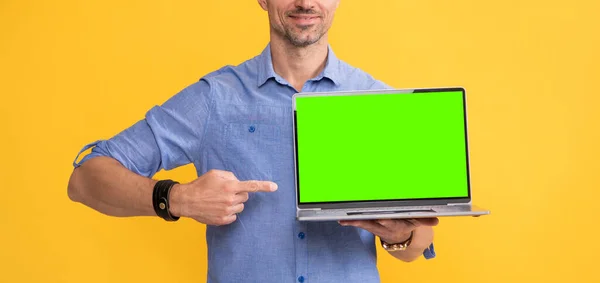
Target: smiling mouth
<point x="305" y="20"/>
<point x="303" y="17"/>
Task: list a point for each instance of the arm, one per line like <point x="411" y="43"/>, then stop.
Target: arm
<point x="422" y="239"/>
<point x="105" y="185"/>
<point x="214" y="198"/>
<point x="398" y="231"/>
<point x="115" y="179"/>
<point x="394" y="231"/>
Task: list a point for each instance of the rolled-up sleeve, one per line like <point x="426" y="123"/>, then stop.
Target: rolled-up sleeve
<point x="166" y="138"/>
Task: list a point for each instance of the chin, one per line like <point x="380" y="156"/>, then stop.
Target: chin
<point x="306" y="39"/>
<point x="303" y="43"/>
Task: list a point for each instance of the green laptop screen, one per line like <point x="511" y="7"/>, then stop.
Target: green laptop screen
<point x="370" y="147"/>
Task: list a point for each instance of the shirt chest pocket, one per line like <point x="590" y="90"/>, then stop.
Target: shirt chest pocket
<point x="255" y="137"/>
<point x="258" y="139"/>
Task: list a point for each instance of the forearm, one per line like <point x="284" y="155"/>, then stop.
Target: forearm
<point x="422" y="239"/>
<point x="103" y="184"/>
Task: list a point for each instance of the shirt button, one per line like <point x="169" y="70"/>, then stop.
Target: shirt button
<point x="251" y="129"/>
<point x="301" y="279"/>
<point x="301" y="235"/>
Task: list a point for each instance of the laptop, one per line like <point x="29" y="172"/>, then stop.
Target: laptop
<point x="384" y="154"/>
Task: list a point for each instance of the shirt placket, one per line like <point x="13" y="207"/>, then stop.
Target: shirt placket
<point x="301" y="246"/>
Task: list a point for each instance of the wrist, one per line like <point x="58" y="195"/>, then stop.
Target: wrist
<point x="401" y="238"/>
<point x="176" y="200"/>
<point x="397" y="244"/>
<point x="161" y="199"/>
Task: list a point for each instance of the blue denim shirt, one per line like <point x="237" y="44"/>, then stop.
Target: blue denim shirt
<point x="239" y="119"/>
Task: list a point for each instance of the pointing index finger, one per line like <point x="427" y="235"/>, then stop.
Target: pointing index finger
<point x="253" y="186"/>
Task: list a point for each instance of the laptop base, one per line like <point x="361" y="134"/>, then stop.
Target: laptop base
<point x="404" y="212"/>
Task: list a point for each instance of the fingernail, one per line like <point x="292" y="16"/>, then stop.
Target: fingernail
<point x="273" y="187"/>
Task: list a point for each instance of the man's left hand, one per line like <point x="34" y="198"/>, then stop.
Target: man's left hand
<point x="391" y="230"/>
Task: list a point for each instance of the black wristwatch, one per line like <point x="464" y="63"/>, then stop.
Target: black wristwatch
<point x="160" y="199"/>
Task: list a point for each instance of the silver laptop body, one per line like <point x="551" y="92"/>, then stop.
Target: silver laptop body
<point x="382" y="209"/>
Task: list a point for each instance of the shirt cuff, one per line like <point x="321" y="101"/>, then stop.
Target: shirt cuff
<point x="429" y="253"/>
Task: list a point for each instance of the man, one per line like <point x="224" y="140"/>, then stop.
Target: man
<point x="235" y="126"/>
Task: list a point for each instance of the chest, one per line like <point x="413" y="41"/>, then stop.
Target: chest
<point x="253" y="140"/>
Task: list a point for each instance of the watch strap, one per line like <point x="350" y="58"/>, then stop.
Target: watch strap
<point x="160" y="199"/>
<point x="397" y="246"/>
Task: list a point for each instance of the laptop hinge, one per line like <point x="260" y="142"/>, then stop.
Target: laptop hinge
<point x="309" y="208"/>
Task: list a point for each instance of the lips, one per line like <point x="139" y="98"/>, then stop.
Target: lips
<point x="304" y="19"/>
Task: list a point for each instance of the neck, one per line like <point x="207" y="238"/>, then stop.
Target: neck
<point x="298" y="64"/>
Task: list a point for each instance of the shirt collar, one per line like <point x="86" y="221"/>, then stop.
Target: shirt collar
<point x="266" y="71"/>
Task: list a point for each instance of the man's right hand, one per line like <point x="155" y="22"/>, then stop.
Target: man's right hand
<point x="215" y="197"/>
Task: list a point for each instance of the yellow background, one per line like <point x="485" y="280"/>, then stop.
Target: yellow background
<point x="75" y="71"/>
